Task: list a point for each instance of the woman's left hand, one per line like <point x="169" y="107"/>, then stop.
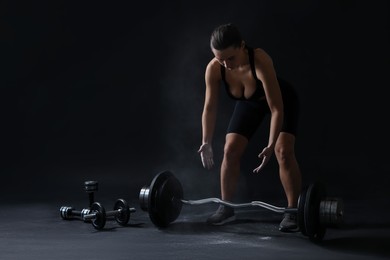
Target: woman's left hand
<point x="265" y="155"/>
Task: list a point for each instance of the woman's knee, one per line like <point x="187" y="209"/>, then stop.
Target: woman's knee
<point x="284" y="153"/>
<point x="234" y="148"/>
<point x="284" y="148"/>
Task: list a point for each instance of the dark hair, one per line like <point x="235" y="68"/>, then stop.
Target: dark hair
<point x="225" y="36"/>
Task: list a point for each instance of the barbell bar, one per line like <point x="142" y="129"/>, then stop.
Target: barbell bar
<point x="163" y="200"/>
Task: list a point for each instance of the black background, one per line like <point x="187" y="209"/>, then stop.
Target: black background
<point x="113" y="91"/>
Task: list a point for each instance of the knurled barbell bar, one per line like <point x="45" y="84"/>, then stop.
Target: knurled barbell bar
<point x="163" y="200"/>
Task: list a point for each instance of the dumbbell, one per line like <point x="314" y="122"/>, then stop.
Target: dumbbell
<point x="90" y="187"/>
<point x="98" y="215"/>
<point x="68" y="213"/>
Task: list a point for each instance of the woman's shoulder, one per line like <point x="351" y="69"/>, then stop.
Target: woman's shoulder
<point x="259" y="52"/>
<point x="261" y="56"/>
<point x="213" y="65"/>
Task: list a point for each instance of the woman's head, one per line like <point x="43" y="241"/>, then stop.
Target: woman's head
<point x="227" y="45"/>
<point x="225" y="36"/>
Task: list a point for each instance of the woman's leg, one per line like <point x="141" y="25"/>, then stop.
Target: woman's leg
<point x="230" y="171"/>
<point x="235" y="145"/>
<point x="290" y="177"/>
<point x="289" y="171"/>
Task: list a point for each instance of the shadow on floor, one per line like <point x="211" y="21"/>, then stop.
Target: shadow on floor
<point x="370" y="245"/>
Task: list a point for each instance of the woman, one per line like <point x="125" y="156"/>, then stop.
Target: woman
<point x="250" y="79"/>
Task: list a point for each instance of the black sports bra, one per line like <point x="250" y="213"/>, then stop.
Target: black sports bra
<point x="259" y="93"/>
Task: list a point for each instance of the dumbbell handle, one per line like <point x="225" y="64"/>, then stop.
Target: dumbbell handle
<point x="69" y="212"/>
<point x="113" y="213"/>
<point x="241" y="205"/>
<point x="78" y="213"/>
<point x="90" y="216"/>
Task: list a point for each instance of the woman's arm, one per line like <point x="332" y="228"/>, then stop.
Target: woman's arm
<point x="266" y="73"/>
<point x="209" y="115"/>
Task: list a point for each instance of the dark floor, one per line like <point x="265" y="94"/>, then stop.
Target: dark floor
<point x="36" y="231"/>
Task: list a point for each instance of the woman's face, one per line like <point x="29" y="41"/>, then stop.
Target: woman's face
<point x="230" y="57"/>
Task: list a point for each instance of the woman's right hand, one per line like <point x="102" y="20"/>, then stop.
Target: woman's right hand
<point x="206" y="155"/>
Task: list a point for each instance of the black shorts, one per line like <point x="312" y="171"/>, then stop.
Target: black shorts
<point x="248" y="115"/>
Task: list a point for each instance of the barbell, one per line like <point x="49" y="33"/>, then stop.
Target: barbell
<point x="163" y="200"/>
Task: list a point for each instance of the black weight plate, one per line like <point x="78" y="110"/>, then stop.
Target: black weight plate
<point x="100" y="220"/>
<point x="314" y="229"/>
<point x="301" y="210"/>
<point x="124" y="216"/>
<point x="169" y="200"/>
<point x="162" y="207"/>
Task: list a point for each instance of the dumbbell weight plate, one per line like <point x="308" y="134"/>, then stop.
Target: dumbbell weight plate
<point x="66" y="212"/>
<point x="124" y="216"/>
<point x="100" y="219"/>
<point x="90" y="186"/>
